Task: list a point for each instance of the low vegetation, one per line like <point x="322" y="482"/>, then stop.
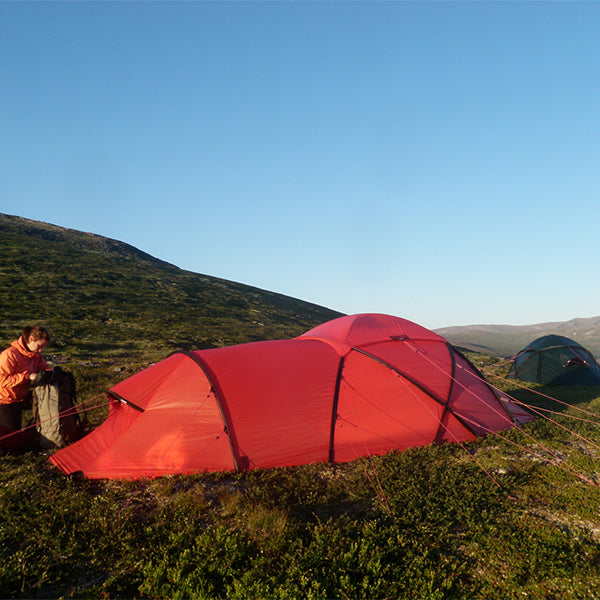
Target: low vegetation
<point x="508" y="516"/>
<point x="496" y="518"/>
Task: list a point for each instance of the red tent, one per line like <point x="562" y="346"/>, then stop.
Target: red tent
<point x="357" y="385"/>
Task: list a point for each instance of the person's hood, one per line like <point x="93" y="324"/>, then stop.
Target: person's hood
<point x="22" y="348"/>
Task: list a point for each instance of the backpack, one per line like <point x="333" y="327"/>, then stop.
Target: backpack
<point x="54" y="412"/>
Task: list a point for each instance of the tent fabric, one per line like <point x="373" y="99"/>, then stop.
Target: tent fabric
<point x="357" y="385"/>
<point x="555" y="360"/>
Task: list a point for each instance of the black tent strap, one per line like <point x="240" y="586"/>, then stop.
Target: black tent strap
<point x="112" y="394"/>
<point x="336" y="397"/>
<point x="442" y="427"/>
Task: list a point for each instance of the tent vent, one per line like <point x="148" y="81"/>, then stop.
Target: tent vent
<point x="576" y="362"/>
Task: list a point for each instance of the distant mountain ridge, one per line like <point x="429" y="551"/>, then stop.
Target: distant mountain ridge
<point x="507" y="340"/>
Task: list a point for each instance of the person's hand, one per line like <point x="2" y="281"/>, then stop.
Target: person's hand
<point x="32" y="376"/>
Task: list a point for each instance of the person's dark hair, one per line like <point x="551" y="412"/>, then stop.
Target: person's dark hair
<point x="35" y="333"/>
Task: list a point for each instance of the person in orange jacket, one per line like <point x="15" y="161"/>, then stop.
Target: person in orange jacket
<point x="21" y="365"/>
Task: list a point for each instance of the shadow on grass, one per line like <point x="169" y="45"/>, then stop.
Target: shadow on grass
<point x="556" y="398"/>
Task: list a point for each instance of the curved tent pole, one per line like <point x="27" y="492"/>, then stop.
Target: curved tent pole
<point x="418" y="385"/>
<point x="224" y="412"/>
<point x="442" y="428"/>
<point x="336" y="397"/>
<point x="405" y="375"/>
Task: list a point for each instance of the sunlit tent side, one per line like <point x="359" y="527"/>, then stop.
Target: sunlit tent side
<point x="555" y="360"/>
<point x="358" y="385"/>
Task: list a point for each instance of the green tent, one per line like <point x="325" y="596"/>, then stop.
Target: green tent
<point x="555" y="360"/>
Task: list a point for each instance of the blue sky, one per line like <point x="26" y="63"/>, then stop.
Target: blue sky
<point x="438" y="161"/>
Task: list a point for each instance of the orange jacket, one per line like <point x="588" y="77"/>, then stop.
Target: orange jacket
<point x="16" y="363"/>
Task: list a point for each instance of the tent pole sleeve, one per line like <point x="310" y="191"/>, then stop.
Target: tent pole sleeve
<point x="224" y="412"/>
<point x="336" y="397"/>
<point x="442" y="427"/>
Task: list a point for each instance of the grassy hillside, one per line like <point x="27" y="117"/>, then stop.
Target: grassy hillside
<point x="105" y="300"/>
<point x="498" y="518"/>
